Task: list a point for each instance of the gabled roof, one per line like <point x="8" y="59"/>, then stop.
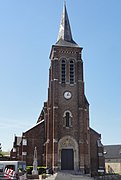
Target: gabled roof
<point x="95" y="132"/>
<point x="112" y="151"/>
<point x="39" y="123"/>
<point x="65" y="35"/>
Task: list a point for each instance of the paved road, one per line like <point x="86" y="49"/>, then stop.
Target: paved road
<point x="67" y="176"/>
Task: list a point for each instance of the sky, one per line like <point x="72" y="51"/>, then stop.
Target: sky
<point x="28" y="29"/>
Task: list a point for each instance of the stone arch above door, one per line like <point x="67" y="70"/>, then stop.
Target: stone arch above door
<point x="68" y="142"/>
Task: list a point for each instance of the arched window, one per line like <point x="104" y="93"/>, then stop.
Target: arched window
<point x="67" y="119"/>
<point x="63" y="71"/>
<point x="72" y="72"/>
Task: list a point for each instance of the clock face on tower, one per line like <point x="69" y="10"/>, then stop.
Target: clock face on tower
<point x="67" y="95"/>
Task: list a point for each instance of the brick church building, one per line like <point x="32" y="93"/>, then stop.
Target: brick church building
<point x="62" y="134"/>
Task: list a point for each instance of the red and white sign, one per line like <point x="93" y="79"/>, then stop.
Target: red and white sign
<point x="9" y="173"/>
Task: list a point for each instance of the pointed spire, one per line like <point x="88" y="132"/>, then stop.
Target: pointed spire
<point x="65" y="29"/>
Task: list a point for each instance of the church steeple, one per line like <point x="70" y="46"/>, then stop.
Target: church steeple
<point x="65" y="35"/>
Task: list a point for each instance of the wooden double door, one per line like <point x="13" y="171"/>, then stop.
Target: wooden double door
<point x="67" y="159"/>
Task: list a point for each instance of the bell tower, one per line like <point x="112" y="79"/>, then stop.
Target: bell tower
<point x="67" y="144"/>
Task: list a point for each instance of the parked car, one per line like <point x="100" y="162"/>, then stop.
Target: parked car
<point x="15" y="170"/>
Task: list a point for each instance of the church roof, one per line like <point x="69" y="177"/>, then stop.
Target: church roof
<point x="65" y="35"/>
<point x="37" y="124"/>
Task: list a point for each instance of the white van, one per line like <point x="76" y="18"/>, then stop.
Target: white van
<point x="13" y="170"/>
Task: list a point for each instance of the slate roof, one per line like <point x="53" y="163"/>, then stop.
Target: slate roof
<point x="112" y="151"/>
<point x="62" y="42"/>
<point x="65" y="35"/>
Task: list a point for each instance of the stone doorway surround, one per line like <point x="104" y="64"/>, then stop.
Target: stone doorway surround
<point x="68" y="142"/>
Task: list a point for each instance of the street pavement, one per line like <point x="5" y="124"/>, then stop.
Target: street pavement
<point x="66" y="176"/>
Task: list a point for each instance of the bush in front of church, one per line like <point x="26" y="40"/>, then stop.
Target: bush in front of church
<point x="41" y="169"/>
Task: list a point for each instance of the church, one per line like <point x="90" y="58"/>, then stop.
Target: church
<point x="62" y="134"/>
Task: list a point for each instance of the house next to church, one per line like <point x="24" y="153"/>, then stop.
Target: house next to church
<point x="62" y="134"/>
<point x="112" y="155"/>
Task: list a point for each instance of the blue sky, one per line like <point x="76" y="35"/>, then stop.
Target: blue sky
<point x="28" y="28"/>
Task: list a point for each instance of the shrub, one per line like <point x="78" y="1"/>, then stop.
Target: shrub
<point x="29" y="169"/>
<point x="41" y="169"/>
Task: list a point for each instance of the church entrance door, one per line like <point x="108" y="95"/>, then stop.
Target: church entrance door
<point x="67" y="159"/>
